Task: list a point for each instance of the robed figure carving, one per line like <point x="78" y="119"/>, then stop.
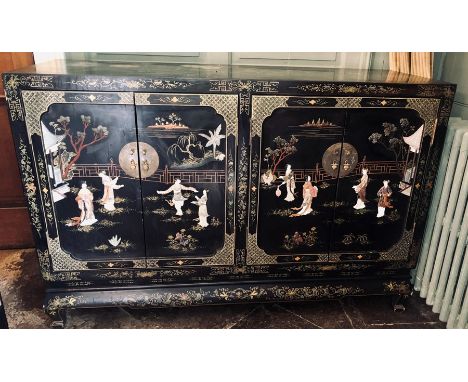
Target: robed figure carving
<point x="85" y="204"/>
<point x="384" y="194"/>
<point x="178" y="199"/>
<point x="360" y="190"/>
<point x="109" y="186"/>
<point x="309" y="192"/>
<point x="288" y="180"/>
<point x="202" y="209"/>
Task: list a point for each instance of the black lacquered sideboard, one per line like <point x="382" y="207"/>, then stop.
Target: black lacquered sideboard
<point x="175" y="185"/>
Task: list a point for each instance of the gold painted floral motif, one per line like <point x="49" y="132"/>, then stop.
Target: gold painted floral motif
<point x="106" y="83"/>
<point x="300" y="239"/>
<point x="242" y="185"/>
<point x="87" y="98"/>
<point x="435" y="91"/>
<point x="378" y="102"/>
<point x="402" y="287"/>
<point x="312" y="102"/>
<point x="174" y="99"/>
<point x="44" y="183"/>
<point x="27" y="175"/>
<point x="57" y="303"/>
<point x="346" y="89"/>
<point x="230" y="185"/>
<point x="255" y="169"/>
<point x="122" y="246"/>
<point x="223" y="294"/>
<point x="316" y="292"/>
<point x="182" y="242"/>
<point x="355" y="239"/>
<point x="30" y="187"/>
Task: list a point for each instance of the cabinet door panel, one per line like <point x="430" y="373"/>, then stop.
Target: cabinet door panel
<point x="300" y="151"/>
<point x="373" y="200"/>
<point x="97" y="205"/>
<point x="187" y="158"/>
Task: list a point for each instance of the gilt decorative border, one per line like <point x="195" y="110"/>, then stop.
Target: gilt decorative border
<point x="27" y="176"/>
<point x="12" y="93"/>
<point x="427" y="109"/>
<point x="340" y="88"/>
<point x="264" y="106"/>
<point x="244" y="89"/>
<point x="47" y="271"/>
<point x="132" y="84"/>
<point x="242" y="185"/>
<point x="184" y="296"/>
<point x="207" y="295"/>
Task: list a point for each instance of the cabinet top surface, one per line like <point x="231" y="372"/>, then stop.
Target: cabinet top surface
<point x="221" y="72"/>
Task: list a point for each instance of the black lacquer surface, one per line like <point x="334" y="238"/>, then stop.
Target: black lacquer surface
<point x="244" y="240"/>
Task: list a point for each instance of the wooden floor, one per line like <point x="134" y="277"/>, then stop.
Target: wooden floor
<point x="22" y="291"/>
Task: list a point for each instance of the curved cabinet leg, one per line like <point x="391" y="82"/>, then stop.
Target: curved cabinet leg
<point x="398" y="302"/>
<point x="56" y="307"/>
<point x="59" y="319"/>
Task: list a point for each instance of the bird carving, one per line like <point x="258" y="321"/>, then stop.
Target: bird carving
<point x="115" y="241"/>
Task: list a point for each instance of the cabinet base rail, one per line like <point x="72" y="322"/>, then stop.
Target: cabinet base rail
<point x="58" y="301"/>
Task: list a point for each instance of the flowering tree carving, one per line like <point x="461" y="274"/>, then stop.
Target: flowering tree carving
<point x="187" y="148"/>
<point x="77" y="140"/>
<point x="283" y="149"/>
<point x="391" y="140"/>
<point x="173" y="119"/>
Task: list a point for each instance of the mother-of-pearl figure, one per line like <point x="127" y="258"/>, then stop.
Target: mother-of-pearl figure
<point x="85" y="204"/>
<point x="288" y="180"/>
<point x="309" y="192"/>
<point x="109" y="186"/>
<point x="384" y="194"/>
<point x="177" y="198"/>
<point x="360" y="190"/>
<point x="202" y="209"/>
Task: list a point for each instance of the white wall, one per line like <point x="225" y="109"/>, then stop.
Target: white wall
<point x="350" y="60"/>
<point x="455" y="69"/>
<point x="40" y="57"/>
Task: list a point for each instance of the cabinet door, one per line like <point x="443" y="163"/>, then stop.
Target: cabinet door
<point x="187" y="163"/>
<point x="373" y="200"/>
<point x="91" y="205"/>
<point x="295" y="162"/>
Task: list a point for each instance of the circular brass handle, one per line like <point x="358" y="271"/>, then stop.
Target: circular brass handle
<point x="148" y="158"/>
